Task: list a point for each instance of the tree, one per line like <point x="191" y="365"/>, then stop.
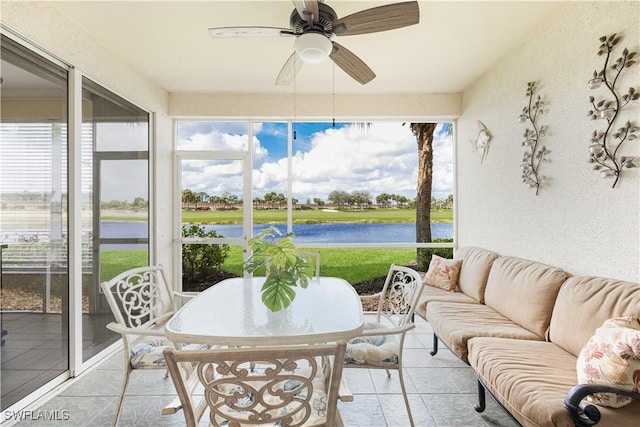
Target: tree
<point x="361" y="198"/>
<point x="424" y="137"/>
<point x="338" y="198"/>
<point x="383" y="200"/>
<point x="189" y="197"/>
<point x="139" y="203"/>
<point x="448" y="202"/>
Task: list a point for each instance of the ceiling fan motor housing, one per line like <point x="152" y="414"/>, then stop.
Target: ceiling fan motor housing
<point x="327" y="16"/>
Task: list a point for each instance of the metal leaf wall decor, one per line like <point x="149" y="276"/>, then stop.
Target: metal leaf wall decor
<point x="534" y="155"/>
<point x="605" y="144"/>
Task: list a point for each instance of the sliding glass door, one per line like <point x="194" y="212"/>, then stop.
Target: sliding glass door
<point x="37" y="286"/>
<point x="33" y="222"/>
<point x="115" y="203"/>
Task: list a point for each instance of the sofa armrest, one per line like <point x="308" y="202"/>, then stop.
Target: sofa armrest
<point x="586" y="414"/>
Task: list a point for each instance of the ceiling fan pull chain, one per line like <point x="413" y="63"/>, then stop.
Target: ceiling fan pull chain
<point x="293" y="124"/>
<point x="333" y="95"/>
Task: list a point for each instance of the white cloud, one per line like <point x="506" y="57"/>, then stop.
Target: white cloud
<point x="380" y="159"/>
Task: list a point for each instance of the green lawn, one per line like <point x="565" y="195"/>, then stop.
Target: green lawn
<point x="311" y="216"/>
<point x="353" y="265"/>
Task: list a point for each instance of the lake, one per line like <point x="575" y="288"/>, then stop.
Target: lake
<point x="305" y="233"/>
<point x="346" y="232"/>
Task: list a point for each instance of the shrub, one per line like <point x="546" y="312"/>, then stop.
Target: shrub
<point x="201" y="261"/>
<point x="425" y="254"/>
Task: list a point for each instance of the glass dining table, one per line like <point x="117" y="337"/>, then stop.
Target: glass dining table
<point x="231" y="313"/>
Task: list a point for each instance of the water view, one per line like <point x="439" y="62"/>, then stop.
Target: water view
<point x="305" y="233"/>
<point x="346" y="232"/>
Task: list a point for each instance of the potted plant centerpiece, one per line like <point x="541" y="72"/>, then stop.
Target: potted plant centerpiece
<point x="285" y="267"/>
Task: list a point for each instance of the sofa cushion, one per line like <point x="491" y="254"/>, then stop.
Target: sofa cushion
<point x="443" y="273"/>
<point x="455" y="324"/>
<point x="612" y="357"/>
<point x="430" y="294"/>
<point x="524" y="291"/>
<point x="474" y="271"/>
<point x="531" y="379"/>
<point x="584" y="303"/>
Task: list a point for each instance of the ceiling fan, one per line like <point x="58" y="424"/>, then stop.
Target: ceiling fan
<point x="314" y="23"/>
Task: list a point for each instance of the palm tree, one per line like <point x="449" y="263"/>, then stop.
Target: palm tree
<point x="424" y="137"/>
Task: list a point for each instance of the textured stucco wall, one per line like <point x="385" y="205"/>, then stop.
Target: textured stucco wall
<point x="440" y="106"/>
<point x="578" y="222"/>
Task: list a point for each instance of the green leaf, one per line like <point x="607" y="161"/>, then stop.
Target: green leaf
<point x="253" y="263"/>
<point x="278" y="290"/>
<point x="283" y="254"/>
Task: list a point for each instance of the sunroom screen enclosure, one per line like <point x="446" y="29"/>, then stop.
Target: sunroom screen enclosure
<point x="347" y="187"/>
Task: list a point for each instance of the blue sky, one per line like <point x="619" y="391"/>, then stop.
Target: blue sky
<point x="381" y="158"/>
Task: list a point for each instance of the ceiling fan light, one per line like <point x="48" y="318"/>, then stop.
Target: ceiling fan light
<point x="313" y="47"/>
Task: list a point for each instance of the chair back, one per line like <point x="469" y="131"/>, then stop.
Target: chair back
<point x="139" y="298"/>
<point x="290" y="385"/>
<point x="313" y="257"/>
<point x="400" y="294"/>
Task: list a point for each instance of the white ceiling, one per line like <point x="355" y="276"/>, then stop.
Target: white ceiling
<point x="167" y="41"/>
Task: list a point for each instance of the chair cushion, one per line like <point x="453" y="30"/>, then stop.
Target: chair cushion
<point x="612" y="357"/>
<point x="443" y="273"/>
<point x="147" y="353"/>
<point x="373" y="350"/>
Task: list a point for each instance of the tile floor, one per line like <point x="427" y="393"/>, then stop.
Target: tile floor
<point x="442" y="392"/>
<point x="35" y="349"/>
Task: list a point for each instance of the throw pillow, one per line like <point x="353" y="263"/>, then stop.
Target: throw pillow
<point x="443" y="273"/>
<point x="612" y="357"/>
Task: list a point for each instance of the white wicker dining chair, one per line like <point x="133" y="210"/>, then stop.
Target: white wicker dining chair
<point x="141" y="303"/>
<point x="382" y="343"/>
<point x="290" y="385"/>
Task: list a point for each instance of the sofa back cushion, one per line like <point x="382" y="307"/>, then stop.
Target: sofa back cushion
<point x="524" y="291"/>
<point x="474" y="270"/>
<point x="583" y="305"/>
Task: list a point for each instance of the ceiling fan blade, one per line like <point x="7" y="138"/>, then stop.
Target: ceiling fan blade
<point x="381" y="18"/>
<point x="351" y="64"/>
<point x="308" y="6"/>
<point x="289" y="70"/>
<point x="226" y="32"/>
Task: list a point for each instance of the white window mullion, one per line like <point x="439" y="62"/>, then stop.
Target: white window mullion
<point x="75" y="221"/>
<point x="289" y="177"/>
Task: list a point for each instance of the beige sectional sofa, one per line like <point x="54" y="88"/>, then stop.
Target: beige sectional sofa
<point x="521" y="325"/>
